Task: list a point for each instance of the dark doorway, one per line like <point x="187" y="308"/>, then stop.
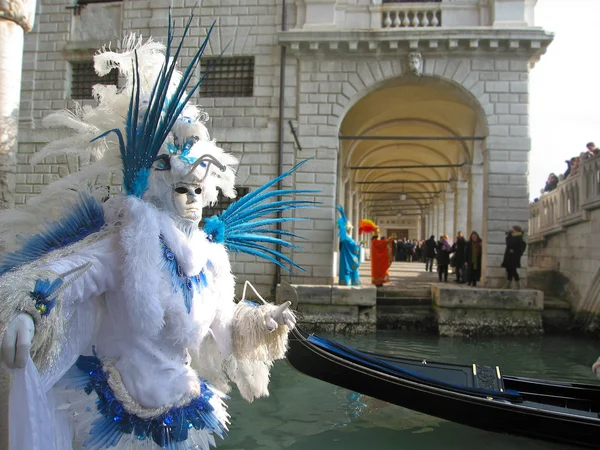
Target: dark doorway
<point x="401" y="233"/>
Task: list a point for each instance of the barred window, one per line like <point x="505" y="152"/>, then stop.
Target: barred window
<point x="228" y="77"/>
<point x="84" y="77"/>
<point x="223" y="202"/>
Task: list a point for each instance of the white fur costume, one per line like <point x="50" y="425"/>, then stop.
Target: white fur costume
<point x="147" y="298"/>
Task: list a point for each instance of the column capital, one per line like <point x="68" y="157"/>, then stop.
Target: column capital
<point x="22" y="12"/>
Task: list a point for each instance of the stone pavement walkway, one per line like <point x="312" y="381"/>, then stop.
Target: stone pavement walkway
<point x="404" y="273"/>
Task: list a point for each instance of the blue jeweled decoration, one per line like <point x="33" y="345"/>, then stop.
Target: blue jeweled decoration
<point x="166" y="430"/>
<point x="181" y="282"/>
<point x="41" y="291"/>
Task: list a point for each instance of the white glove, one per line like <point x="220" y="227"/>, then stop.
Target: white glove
<point x="596" y="368"/>
<point x="16" y="341"/>
<point x="281" y="316"/>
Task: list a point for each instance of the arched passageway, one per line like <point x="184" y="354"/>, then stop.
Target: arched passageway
<point x="412" y="158"/>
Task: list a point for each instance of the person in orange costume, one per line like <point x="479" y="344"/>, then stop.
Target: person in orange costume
<point x="381" y="259"/>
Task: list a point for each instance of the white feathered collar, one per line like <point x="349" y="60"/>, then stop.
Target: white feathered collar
<point x="140" y="227"/>
<point x="188" y="250"/>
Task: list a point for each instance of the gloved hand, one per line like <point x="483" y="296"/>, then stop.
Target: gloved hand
<point x="596" y="368"/>
<point x="16" y="341"/>
<point x="281" y="316"/>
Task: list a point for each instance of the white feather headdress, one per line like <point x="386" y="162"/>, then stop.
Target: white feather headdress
<point x="124" y="133"/>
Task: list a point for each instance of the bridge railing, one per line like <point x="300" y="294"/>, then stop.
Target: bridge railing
<point x="568" y="204"/>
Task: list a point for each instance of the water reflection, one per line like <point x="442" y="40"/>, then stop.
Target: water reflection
<point x="307" y="414"/>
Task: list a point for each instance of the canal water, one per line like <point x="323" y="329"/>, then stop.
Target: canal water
<point x="307" y="414"/>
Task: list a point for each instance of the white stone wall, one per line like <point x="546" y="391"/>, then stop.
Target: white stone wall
<point x="575" y="253"/>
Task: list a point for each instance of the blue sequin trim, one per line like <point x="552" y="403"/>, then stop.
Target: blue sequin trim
<point x="166" y="430"/>
<point x="41" y="291"/>
<point x="181" y="282"/>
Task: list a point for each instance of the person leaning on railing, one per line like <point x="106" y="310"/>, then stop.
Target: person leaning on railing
<point x="592" y="150"/>
<point x="551" y="183"/>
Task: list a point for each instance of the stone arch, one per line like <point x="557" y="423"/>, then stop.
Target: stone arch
<point x="459" y="107"/>
<point x="385" y="72"/>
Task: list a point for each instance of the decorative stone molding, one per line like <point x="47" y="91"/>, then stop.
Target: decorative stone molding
<point x="316" y="13"/>
<point x="530" y="44"/>
<point x="21" y="12"/>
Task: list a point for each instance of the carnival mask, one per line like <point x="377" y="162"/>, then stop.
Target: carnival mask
<point x="183" y="185"/>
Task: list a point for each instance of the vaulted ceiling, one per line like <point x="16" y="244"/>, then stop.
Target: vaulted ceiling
<point x="425" y="109"/>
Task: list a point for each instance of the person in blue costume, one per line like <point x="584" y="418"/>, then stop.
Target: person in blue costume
<point x="118" y="318"/>
<point x="349" y="252"/>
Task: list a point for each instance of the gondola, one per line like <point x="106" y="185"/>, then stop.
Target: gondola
<point x="477" y="396"/>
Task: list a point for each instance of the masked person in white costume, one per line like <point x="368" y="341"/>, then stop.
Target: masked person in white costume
<point x="127" y="306"/>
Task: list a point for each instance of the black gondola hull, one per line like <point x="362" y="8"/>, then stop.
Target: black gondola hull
<point x="499" y="415"/>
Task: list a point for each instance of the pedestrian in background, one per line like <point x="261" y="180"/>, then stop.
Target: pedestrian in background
<point x="515" y="247"/>
<point x="473" y="258"/>
<point x="430" y="250"/>
<point x="458" y="248"/>
<point x="443" y="257"/>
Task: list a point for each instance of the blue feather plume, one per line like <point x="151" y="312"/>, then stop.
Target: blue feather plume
<point x="85" y="217"/>
<point x="146" y="130"/>
<point x="242" y="227"/>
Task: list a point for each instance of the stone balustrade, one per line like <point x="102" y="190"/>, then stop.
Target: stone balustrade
<point x="411" y="15"/>
<point x="333" y="15"/>
<point x="568" y="204"/>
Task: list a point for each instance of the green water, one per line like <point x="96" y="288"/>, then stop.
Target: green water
<point x="306" y="414"/>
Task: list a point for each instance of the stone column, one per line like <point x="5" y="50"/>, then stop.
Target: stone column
<point x="450" y="224"/>
<point x="434" y="222"/>
<point x="355" y="216"/>
<point x="476" y="206"/>
<point x="16" y="19"/>
<point x="349" y="205"/>
<point x="461" y="205"/>
<point x="441" y="222"/>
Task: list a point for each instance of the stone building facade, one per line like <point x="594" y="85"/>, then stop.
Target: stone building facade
<point x="371" y="91"/>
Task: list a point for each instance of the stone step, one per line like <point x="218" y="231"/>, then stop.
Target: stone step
<point x="400" y="309"/>
<point x="556" y="304"/>
<point x="403" y="301"/>
<point x="404" y="293"/>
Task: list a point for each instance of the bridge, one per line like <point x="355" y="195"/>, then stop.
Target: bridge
<point x="564" y="242"/>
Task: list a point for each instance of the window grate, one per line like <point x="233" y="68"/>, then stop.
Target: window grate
<point x="228" y="77"/>
<point x="84" y="77"/>
<point x="224" y="202"/>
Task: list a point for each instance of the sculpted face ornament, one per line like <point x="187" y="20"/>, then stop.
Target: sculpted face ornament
<point x="415" y="63"/>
